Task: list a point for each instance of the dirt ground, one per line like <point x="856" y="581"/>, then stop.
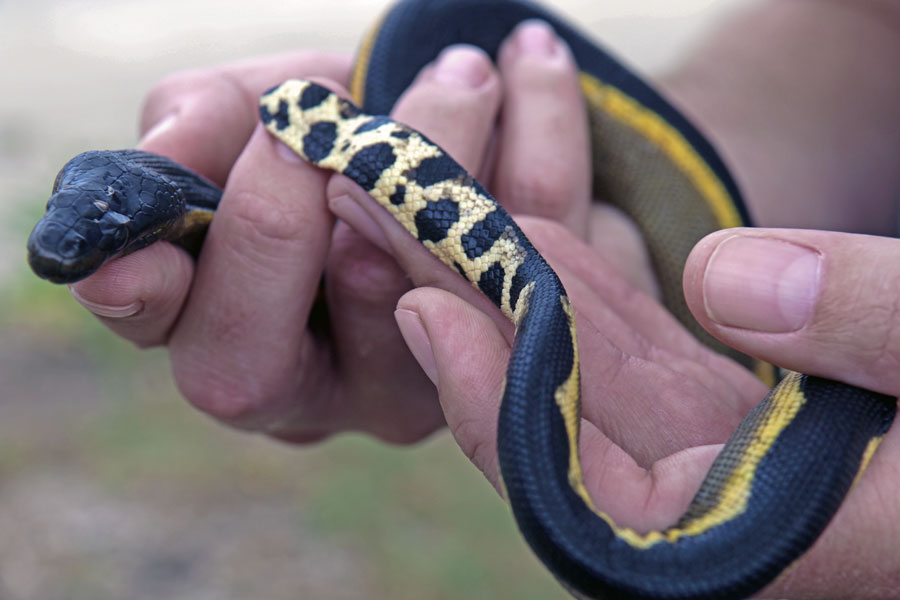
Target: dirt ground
<point x="110" y="487"/>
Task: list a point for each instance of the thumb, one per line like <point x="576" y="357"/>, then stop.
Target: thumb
<point x="818" y="302"/>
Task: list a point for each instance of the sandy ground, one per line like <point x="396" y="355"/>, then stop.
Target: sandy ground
<point x="97" y="499"/>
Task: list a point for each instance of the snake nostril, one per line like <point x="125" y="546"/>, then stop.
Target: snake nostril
<point x="72" y="246"/>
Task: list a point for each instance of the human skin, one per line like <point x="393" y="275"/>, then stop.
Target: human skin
<point x="235" y="323"/>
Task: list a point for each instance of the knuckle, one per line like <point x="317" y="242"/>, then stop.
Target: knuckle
<point x="881" y="332"/>
<point x="260" y="218"/>
<point x="231" y="402"/>
<point x="859" y="326"/>
<point x="239" y="401"/>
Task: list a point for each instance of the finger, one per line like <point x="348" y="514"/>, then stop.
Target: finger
<point x="201" y="119"/>
<point x="454" y="102"/>
<point x="240" y="350"/>
<point x="354" y="206"/>
<point x="386" y="392"/>
<point x="818" y="302"/>
<point x="617" y="239"/>
<point x="140" y="295"/>
<point x="543" y="166"/>
<point x="655" y="376"/>
<point x="465" y="355"/>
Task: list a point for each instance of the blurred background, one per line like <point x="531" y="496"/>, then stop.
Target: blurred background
<point x="110" y="485"/>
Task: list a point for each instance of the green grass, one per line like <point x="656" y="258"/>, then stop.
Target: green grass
<point x="422" y="520"/>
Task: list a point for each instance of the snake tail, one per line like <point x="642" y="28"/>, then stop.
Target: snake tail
<point x="106" y="203"/>
<point x="773" y="488"/>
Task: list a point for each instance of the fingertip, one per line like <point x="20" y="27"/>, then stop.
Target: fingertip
<point x="461" y="65"/>
<point x="454" y="101"/>
<point x="533" y="39"/>
<point x="139" y="296"/>
<point x="695" y="267"/>
<point x="468" y="346"/>
<point x="818" y="302"/>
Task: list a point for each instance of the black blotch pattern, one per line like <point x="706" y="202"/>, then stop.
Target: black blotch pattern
<point x="312" y="96"/>
<point x="435" y="220"/>
<point x="435" y="169"/>
<point x="398" y="195"/>
<point x="400" y="135"/>
<point x="373" y="123"/>
<point x="483" y="234"/>
<point x="491" y="283"/>
<point x="345" y="146"/>
<point x="367" y="165"/>
<point x="280" y="116"/>
<point x="349" y="110"/>
<point x="318" y="143"/>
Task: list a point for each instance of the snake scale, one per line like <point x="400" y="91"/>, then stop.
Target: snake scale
<point x="780" y="477"/>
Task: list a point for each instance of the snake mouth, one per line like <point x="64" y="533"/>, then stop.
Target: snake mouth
<point x="48" y="263"/>
<point x="56" y="269"/>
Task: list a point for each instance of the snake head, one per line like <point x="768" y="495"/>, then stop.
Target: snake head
<point x="76" y="236"/>
<point x="102" y="206"/>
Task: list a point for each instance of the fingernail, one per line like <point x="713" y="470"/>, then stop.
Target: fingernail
<point x="160" y="128"/>
<point x="761" y="284"/>
<point x="536" y="38"/>
<point x="462" y="65"/>
<point x="416" y="338"/>
<point x="347" y="210"/>
<point x="105" y="310"/>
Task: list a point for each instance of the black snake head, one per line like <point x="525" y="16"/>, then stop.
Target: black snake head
<point x="103" y="205"/>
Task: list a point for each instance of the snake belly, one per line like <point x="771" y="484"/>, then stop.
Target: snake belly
<point x="780" y="477"/>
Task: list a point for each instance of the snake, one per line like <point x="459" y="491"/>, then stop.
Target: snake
<point x="779" y="478"/>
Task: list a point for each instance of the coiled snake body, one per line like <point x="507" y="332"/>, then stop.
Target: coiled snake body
<point x="785" y="470"/>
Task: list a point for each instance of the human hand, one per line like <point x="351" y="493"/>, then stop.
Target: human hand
<point x="236" y="322"/>
<point x="656" y="406"/>
<point x="667" y="403"/>
<point x="825" y="304"/>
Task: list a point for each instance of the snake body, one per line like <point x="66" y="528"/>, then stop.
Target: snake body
<point x="782" y="474"/>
